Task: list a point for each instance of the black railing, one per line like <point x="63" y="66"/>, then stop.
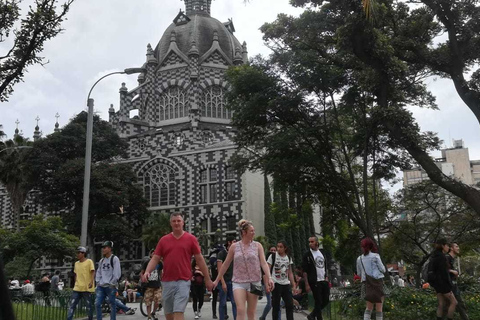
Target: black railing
<point x="52" y="305"/>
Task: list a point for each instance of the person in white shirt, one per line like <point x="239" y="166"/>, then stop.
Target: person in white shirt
<point x="314" y="267"/>
<point x="280" y="265"/>
<point x="28" y="289"/>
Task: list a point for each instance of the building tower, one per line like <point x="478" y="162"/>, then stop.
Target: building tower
<point x="178" y="127"/>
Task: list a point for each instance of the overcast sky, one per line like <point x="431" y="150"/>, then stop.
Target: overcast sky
<point x="102" y="36"/>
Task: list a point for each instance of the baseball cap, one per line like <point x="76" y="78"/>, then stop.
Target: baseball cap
<point x="26" y="281"/>
<point x="107" y="244"/>
<point x="82" y="249"/>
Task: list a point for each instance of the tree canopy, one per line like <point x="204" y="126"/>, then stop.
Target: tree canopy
<point x="57" y="165"/>
<point x="27" y="34"/>
<point x="327" y="111"/>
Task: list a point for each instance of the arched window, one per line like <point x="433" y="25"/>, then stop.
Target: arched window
<point x="173" y="104"/>
<point x="212" y="103"/>
<point x="159" y="185"/>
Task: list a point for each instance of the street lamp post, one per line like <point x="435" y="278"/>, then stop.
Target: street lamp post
<point x="88" y="153"/>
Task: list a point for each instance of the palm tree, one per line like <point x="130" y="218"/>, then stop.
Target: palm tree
<point x="13" y="172"/>
<point x="368" y="7"/>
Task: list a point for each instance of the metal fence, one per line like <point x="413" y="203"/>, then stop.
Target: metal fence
<point x="337" y="309"/>
<point x="44" y="306"/>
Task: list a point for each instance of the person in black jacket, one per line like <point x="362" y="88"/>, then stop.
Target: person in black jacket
<point x="314" y="265"/>
<point x="439" y="279"/>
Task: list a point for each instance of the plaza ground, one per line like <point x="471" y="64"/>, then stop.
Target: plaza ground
<point x="206" y="312"/>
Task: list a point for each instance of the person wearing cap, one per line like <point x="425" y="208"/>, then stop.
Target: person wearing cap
<point x="439" y="279"/>
<point x="84" y="283"/>
<point x="107" y="276"/>
<point x="28" y="289"/>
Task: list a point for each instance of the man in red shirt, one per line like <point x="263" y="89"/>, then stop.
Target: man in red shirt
<point x="177" y="249"/>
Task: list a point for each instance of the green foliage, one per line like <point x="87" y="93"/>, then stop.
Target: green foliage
<point x="269" y="220"/>
<point x="408" y="304"/>
<point x="27" y="35"/>
<point x="14" y="171"/>
<point x="117" y="207"/>
<point x="157" y="226"/>
<point x="39" y="237"/>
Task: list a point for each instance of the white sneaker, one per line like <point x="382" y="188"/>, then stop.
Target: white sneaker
<point x="199" y="314"/>
<point x="196" y="315"/>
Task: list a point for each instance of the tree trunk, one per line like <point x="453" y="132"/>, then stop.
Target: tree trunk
<point x="30" y="268"/>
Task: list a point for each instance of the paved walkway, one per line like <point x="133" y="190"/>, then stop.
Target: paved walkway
<point x="206" y="312"/>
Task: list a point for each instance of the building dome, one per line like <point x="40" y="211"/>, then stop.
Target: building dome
<point x="200" y="29"/>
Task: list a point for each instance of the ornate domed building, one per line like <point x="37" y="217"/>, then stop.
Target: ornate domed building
<point x="178" y="127"/>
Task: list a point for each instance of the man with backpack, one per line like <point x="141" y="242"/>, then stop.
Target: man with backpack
<point x="225" y="286"/>
<point x="107" y="276"/>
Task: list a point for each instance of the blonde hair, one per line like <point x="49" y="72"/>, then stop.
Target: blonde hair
<point x="243" y="225"/>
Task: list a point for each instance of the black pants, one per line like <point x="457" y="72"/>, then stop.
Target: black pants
<point x="198" y="293"/>
<point x="214" y="301"/>
<point x="461" y="308"/>
<point x="282" y="291"/>
<point x="321" y="295"/>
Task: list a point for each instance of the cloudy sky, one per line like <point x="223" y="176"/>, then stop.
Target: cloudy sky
<point x="102" y="36"/>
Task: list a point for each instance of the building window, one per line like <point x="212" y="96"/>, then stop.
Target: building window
<point x="208" y="186"/>
<point x="231" y="223"/>
<point x="212" y="103"/>
<point x="229" y="173"/>
<point x="173" y="104"/>
<point x="230" y="183"/>
<point x="229" y="190"/>
<point x="160" y="186"/>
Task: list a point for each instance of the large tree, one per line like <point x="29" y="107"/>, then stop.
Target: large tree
<point x="26" y="35"/>
<point x="117" y="207"/>
<point x="390" y="55"/>
<point x="423" y="213"/>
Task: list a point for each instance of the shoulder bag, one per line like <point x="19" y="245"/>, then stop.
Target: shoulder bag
<point x="254" y="288"/>
<point x="373" y="287"/>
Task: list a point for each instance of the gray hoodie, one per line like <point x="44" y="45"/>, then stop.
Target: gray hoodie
<point x="106" y="275"/>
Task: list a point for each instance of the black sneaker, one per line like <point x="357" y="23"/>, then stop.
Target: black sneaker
<point x="214" y="316"/>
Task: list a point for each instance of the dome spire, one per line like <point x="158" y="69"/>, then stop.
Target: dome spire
<point x="197" y="6"/>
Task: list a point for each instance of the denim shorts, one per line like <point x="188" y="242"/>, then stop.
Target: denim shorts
<point x="244" y="285"/>
<point x="175" y="296"/>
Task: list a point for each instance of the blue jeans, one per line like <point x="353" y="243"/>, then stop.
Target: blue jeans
<point x="76" y="296"/>
<point x="268" y="306"/>
<point x="102" y="293"/>
<point x="222" y="305"/>
<point x="119" y="304"/>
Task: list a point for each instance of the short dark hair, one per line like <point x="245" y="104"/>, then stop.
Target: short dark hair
<point x="229" y="239"/>
<point x="57" y="272"/>
<point x="177" y="214"/>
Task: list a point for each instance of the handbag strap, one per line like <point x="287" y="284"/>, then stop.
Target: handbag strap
<point x="244" y="259"/>
<point x="361" y="260"/>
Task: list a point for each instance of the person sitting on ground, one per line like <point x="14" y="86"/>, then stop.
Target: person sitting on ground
<point x="132" y="291"/>
<point x="300" y="292"/>
<point x="122" y="308"/>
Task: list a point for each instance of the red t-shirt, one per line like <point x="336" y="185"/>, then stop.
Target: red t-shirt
<point x="177" y="255"/>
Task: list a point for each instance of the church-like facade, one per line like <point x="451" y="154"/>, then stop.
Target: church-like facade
<point x="178" y="127"/>
<point x="178" y="130"/>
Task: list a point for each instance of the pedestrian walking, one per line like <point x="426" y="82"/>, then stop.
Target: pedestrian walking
<point x="55" y="281"/>
<point x="225" y="289"/>
<point x="268" y="295"/>
<point x="314" y="265"/>
<point x="454" y="274"/>
<point x="153" y="290"/>
<point x="107" y="276"/>
<point x="248" y="258"/>
<point x="177" y="249"/>
<point x="369" y="264"/>
<point x="197" y="289"/>
<point x="281" y="265"/>
<point x="439" y="279"/>
<point x="84" y="283"/>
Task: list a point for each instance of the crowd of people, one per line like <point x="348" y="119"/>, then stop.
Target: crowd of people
<point x="239" y="272"/>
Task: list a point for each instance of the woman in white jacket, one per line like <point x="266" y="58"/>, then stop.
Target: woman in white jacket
<point x="370" y="263"/>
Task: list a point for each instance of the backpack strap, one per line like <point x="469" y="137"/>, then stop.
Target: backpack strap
<point x="274" y="256"/>
<point x="111" y="260"/>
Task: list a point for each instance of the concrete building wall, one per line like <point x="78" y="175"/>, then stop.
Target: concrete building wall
<point x="460" y="160"/>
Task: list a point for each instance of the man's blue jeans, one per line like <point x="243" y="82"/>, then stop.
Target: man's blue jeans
<point x="223" y="300"/>
<point x="76" y="296"/>
<point x="102" y="293"/>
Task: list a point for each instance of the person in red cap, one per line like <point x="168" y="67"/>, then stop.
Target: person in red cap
<point x="28" y="289"/>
